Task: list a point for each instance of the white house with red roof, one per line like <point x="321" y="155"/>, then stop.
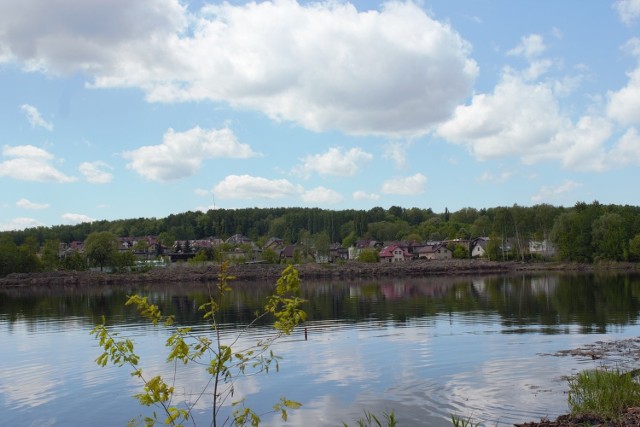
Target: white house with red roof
<point x="394" y="253"/>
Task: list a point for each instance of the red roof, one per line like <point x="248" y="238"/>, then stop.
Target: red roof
<point x="387" y="252"/>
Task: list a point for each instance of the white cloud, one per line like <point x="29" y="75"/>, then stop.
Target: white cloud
<point x="523" y="119"/>
<point x="27" y="204"/>
<point x="624" y="105"/>
<point x="254" y="187"/>
<point x="181" y="153"/>
<point x="74" y="218"/>
<point x="405" y="186"/>
<point x="581" y="146"/>
<point x="517" y="119"/>
<point x="95" y="173"/>
<point x="627" y="150"/>
<point x="29" y="163"/>
<point x="26" y="151"/>
<point x="67" y="36"/>
<point x="322" y="196"/>
<point x="202" y="192"/>
<point x="632" y="47"/>
<point x="362" y="195"/>
<point x="628" y="10"/>
<point x="536" y="69"/>
<point x="20" y="224"/>
<point x="550" y="193"/>
<point x="335" y="162"/>
<point x="498" y="179"/>
<point x="530" y="47"/>
<point x="397" y="151"/>
<point x="323" y="65"/>
<point x="34" y="117"/>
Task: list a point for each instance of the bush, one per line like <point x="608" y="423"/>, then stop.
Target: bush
<point x="369" y="255"/>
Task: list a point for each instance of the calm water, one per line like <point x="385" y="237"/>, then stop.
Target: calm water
<point x="424" y="348"/>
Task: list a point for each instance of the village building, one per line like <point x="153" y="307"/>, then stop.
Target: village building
<point x="437" y="251"/>
<point x="394" y="253"/>
<point x="479" y="247"/>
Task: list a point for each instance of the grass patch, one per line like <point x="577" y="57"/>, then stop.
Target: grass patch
<point x="603" y="392"/>
<point x="370" y="420"/>
<point x="459" y="421"/>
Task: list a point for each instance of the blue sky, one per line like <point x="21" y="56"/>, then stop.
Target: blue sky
<point x="118" y="109"/>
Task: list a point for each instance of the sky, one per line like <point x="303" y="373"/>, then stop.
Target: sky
<point x="116" y="109"/>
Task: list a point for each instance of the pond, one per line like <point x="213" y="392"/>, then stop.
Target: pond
<point x="424" y="348"/>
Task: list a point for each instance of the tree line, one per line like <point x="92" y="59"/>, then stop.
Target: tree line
<point x="582" y="233"/>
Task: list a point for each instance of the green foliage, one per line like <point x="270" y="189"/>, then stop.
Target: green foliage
<point x="17" y="259"/>
<point x="199" y="259"/>
<point x="572" y="232"/>
<point x="634" y="248"/>
<point x="123" y="261"/>
<point x="609" y="237"/>
<point x="270" y="256"/>
<point x="166" y="239"/>
<point x="582" y="233"/>
<point x="493" y="250"/>
<point x="226" y="363"/>
<point x="460" y="252"/>
<point x="50" y="259"/>
<point x="297" y="256"/>
<point x="388" y="230"/>
<point x="369" y="255"/>
<point x="285" y="303"/>
<point x="350" y="240"/>
<point x="74" y="262"/>
<point x="101" y="248"/>
<point x="322" y="243"/>
<point x="603" y="392"/>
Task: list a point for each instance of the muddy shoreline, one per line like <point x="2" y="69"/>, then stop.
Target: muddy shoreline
<point x="347" y="271"/>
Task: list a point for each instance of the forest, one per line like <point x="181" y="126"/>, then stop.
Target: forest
<point x="583" y="233"/>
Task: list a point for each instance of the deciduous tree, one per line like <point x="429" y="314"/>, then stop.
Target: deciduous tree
<point x="100" y="248"/>
<point x="228" y="359"/>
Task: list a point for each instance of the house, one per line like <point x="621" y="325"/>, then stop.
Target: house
<point x="238" y="239"/>
<point x="543" y="248"/>
<point x="479" y="247"/>
<point x="274" y="243"/>
<point x="394" y="253"/>
<point x="354" y="251"/>
<point x="207" y="243"/>
<point x="437" y="251"/>
<point x="337" y="252"/>
<point x="288" y="253"/>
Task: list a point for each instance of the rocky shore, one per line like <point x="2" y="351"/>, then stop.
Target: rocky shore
<point x="346" y="271"/>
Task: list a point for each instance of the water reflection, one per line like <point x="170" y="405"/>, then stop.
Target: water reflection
<point x="595" y="302"/>
<point x="425" y="347"/>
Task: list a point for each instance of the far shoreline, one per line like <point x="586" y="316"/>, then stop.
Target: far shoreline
<point x="341" y="271"/>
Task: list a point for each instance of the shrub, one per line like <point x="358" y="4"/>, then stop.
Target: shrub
<point x="369" y="255"/>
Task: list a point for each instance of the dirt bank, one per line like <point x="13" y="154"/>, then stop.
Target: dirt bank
<point x="350" y="270"/>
